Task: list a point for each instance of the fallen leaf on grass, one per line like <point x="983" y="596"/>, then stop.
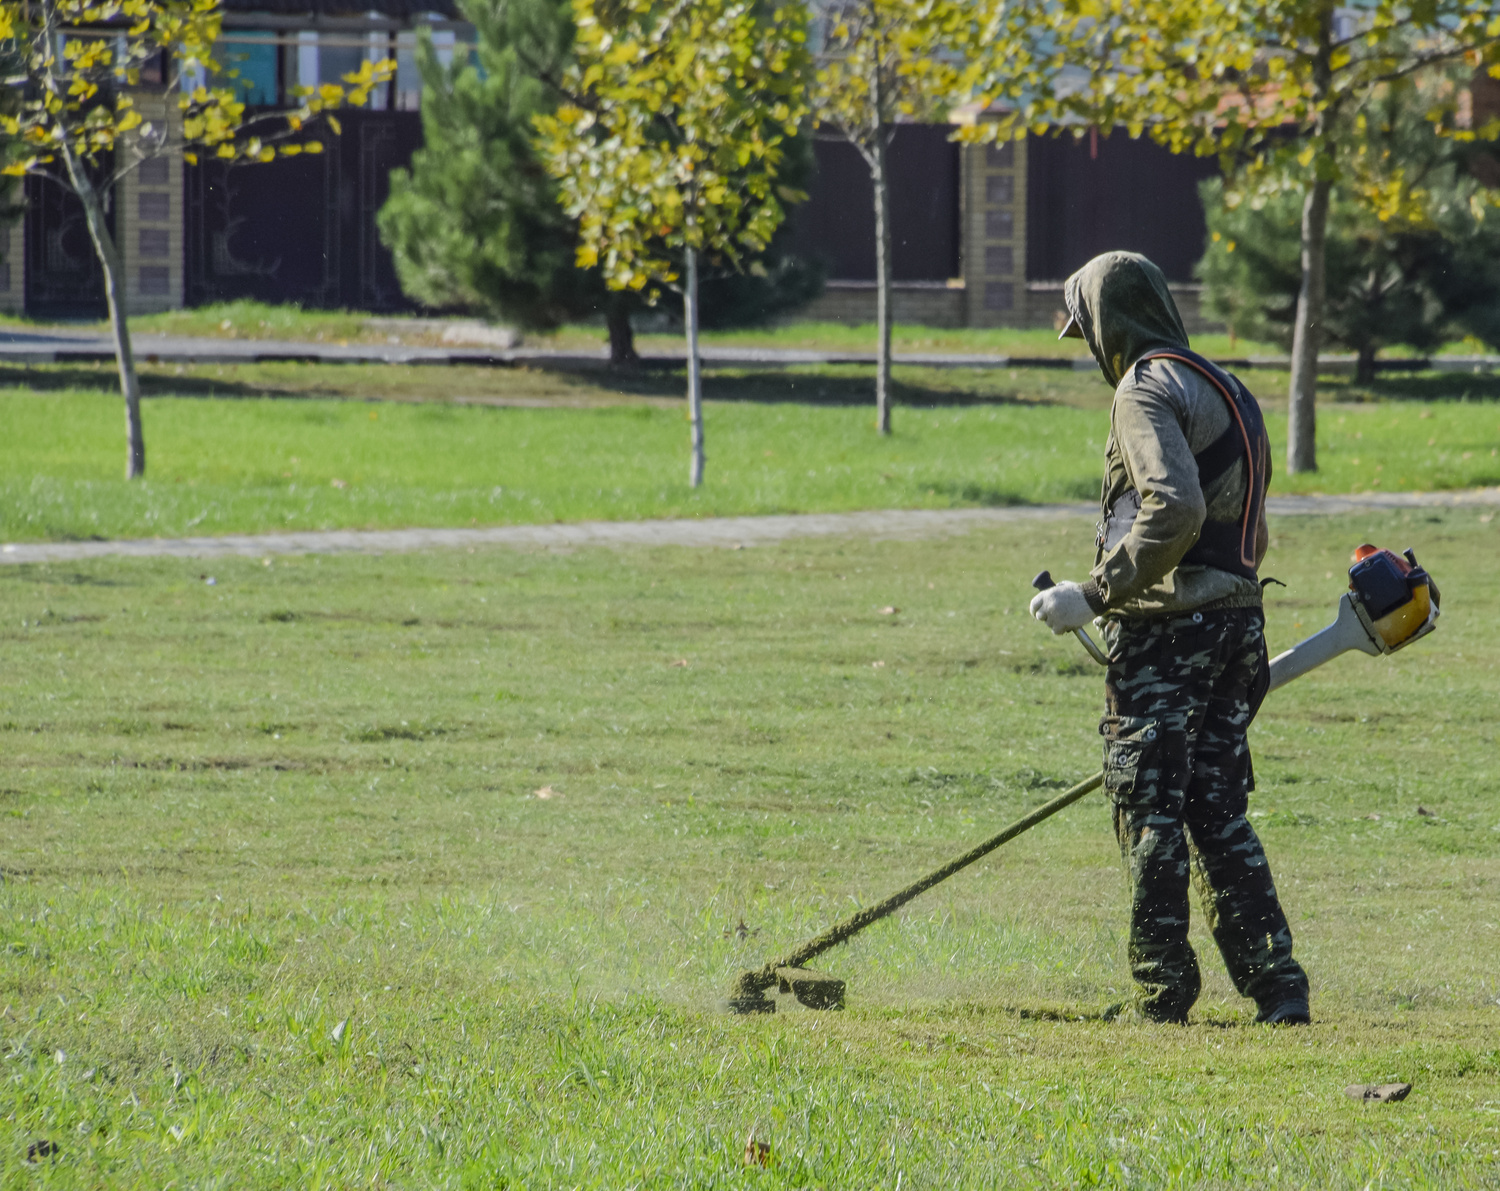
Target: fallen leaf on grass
<point x="1425" y="813"/>
<point x="545" y="793"/>
<point x="889" y="610"/>
<point x="876" y="665"/>
<point x="741" y="931"/>
<point x="1374" y="818"/>
<point x="338" y="1030"/>
<point x="678" y="662"/>
<point x="1378" y="1093"/>
<point x="339" y="483"/>
<point x="757" y="1153"/>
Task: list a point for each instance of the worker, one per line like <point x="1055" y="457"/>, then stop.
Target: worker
<point x="1176" y="591"/>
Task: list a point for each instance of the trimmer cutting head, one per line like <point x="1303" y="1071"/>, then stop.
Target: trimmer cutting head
<point x="813" y="990"/>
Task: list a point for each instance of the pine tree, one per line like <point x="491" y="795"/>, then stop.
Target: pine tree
<point x="475" y="223"/>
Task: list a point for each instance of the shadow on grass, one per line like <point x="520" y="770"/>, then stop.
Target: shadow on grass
<point x="101" y="378"/>
<point x="322" y="381"/>
<point x="776" y="386"/>
<point x="1422" y="386"/>
<point x="986" y="496"/>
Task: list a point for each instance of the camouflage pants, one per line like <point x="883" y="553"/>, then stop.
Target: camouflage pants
<point x="1181" y="694"/>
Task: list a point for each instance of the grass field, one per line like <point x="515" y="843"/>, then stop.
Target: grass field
<point x="258" y="320"/>
<point x="465" y="446"/>
<point x="283" y="904"/>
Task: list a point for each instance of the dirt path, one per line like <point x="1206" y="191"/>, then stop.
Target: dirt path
<point x="724" y="532"/>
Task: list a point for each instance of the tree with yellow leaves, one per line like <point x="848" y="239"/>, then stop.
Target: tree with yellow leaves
<point x="1274" y="87"/>
<point x="1411" y="244"/>
<point x="884" y="61"/>
<point x="669" y="149"/>
<point x="82" y="66"/>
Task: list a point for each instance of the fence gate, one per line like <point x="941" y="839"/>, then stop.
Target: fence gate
<point x="63" y="276"/>
<point x="300" y="229"/>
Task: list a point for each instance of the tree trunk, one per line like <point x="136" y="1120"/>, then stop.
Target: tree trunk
<point x="1307" y="332"/>
<point x="1307" y="335"/>
<point x="1364" y="364"/>
<point x="114" y="280"/>
<point x="695" y="376"/>
<point x="882" y="284"/>
<point x="622" y="352"/>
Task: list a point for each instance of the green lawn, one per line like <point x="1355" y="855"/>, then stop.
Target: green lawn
<point x="1038" y="343"/>
<point x="283" y="446"/>
<point x="258" y="320"/>
<point x="282" y="905"/>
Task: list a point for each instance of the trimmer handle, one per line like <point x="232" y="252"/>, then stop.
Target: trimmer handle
<point x="1042" y="582"/>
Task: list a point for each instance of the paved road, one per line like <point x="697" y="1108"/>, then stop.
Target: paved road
<point x="61" y="345"/>
<point x="724" y="532"/>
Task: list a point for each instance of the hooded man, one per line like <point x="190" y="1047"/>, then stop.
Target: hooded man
<point x="1174" y="582"/>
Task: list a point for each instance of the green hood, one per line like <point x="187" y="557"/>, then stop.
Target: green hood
<point x="1121" y="302"/>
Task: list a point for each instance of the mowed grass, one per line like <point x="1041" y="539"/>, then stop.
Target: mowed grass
<point x="259" y="320"/>
<point x="284" y="903"/>
<point x="288" y="446"/>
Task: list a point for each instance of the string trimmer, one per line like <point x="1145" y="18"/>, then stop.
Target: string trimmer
<point x="1391" y="602"/>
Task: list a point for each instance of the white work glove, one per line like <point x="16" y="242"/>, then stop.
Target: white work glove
<point x="1062" y="608"/>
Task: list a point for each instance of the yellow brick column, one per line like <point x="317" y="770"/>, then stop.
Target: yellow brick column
<point x="13" y="268"/>
<point x="994" y="234"/>
<point x="148" y="221"/>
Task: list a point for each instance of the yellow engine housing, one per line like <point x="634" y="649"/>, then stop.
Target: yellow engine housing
<point x="1398" y="627"/>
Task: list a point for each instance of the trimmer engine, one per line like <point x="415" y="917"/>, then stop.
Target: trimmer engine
<point x="1396" y="599"/>
<point x="1391" y="602"/>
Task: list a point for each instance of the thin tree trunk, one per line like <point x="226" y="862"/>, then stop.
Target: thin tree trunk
<point x="882" y="285"/>
<point x="114" y="280"/>
<point x="695" y="376"/>
<point x="1307" y="332"/>
<point x="1307" y="335"/>
<point x="621" y="334"/>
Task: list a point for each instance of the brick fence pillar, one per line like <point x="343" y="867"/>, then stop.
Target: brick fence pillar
<point x="148" y="221"/>
<point x="13" y="267"/>
<point x="994" y="233"/>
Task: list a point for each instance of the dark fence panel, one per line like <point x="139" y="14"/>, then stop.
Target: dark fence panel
<point x="837" y="223"/>
<point x="373" y="144"/>
<point x="263" y="231"/>
<point x="1101" y="193"/>
<point x="63" y="275"/>
<point x="301" y="229"/>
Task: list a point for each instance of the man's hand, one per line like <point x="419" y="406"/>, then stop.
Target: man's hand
<point x="1062" y="608"/>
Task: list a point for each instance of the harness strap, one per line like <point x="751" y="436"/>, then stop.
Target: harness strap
<point x="1225" y="544"/>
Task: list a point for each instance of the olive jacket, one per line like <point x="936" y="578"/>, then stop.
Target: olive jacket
<point x="1152" y="505"/>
